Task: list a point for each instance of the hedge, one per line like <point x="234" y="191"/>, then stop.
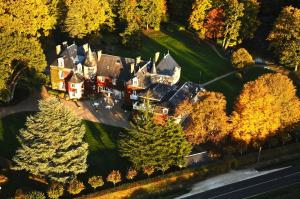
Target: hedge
<point x="177" y="180"/>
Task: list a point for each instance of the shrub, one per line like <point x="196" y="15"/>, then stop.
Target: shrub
<point x="3" y="179"/>
<point x="35" y="195"/>
<point x="131" y="173"/>
<point x="114" y="177"/>
<point x="148" y="170"/>
<point x="55" y="190"/>
<point x="96" y="181"/>
<point x="75" y="187"/>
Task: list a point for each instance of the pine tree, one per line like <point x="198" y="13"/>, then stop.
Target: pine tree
<point x="52" y="143"/>
<point x="153" y="145"/>
<point x="87" y="16"/>
<point x="26" y="17"/>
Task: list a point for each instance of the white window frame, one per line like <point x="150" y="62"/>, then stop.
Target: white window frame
<point x="165" y="111"/>
<point x="114" y="81"/>
<point x="73" y="85"/>
<point x="61" y="74"/>
<point x="135" y="82"/>
<point x="134" y="93"/>
<point x="101" y="79"/>
<point x="62" y="85"/>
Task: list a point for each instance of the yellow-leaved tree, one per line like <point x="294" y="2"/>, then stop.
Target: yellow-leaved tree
<point x="87" y="16"/>
<point x="265" y="106"/>
<point x="26" y="17"/>
<point x="208" y="121"/>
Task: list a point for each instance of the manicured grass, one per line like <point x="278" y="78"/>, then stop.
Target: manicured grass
<point x="102" y="159"/>
<point x="292" y="192"/>
<point x="198" y="60"/>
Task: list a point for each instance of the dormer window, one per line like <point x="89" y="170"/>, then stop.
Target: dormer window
<point x="165" y="111"/>
<point x="135" y="81"/>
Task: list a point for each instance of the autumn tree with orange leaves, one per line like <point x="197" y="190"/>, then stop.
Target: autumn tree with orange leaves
<point x="214" y="24"/>
<point x="265" y="106"/>
<point x="208" y="121"/>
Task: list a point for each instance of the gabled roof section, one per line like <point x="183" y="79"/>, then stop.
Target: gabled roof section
<point x="76" y="78"/>
<point x="115" y="67"/>
<point x="158" y="92"/>
<point x="167" y="65"/>
<point x="72" y="55"/>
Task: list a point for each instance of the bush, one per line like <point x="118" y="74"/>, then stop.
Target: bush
<point x="148" y="170"/>
<point x="75" y="187"/>
<point x="55" y="190"/>
<point x="114" y="177"/>
<point x="96" y="181"/>
<point x="35" y="195"/>
<point x="131" y="173"/>
<point x="3" y="179"/>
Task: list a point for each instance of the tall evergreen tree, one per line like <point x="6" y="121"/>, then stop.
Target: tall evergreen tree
<point x="52" y="143"/>
<point x="152" y="145"/>
<point x="87" y="16"/>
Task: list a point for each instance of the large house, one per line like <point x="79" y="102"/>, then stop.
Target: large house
<point x="78" y="70"/>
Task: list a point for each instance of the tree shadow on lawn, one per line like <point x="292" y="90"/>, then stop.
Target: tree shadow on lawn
<point x="103" y="150"/>
<point x="9" y="129"/>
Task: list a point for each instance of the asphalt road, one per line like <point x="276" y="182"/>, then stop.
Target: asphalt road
<point x="251" y="187"/>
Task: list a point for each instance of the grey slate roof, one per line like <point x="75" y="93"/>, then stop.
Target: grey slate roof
<point x="158" y="92"/>
<point x="167" y="65"/>
<point x="72" y="55"/>
<point x="114" y="67"/>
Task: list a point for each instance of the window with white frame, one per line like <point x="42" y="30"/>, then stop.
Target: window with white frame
<point x="73" y="86"/>
<point x="135" y="81"/>
<point x="114" y="81"/>
<point x="101" y="79"/>
<point x="62" y="85"/>
<point x="165" y="111"/>
<point x="134" y="93"/>
<point x="61" y="74"/>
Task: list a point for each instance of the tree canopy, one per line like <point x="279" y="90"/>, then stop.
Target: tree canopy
<point x="17" y="54"/>
<point x="26" y="17"/>
<point x="151" y="145"/>
<point x="208" y="121"/>
<point x="199" y="11"/>
<point x="87" y="16"/>
<point x="285" y="37"/>
<point x="52" y="143"/>
<point x="241" y="58"/>
<point x="264" y="106"/>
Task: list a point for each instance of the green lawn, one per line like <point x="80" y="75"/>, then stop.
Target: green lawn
<point x="103" y="154"/>
<point x="198" y="61"/>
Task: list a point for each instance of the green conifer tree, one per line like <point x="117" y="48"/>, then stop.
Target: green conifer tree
<point x="154" y="145"/>
<point x="52" y="143"/>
